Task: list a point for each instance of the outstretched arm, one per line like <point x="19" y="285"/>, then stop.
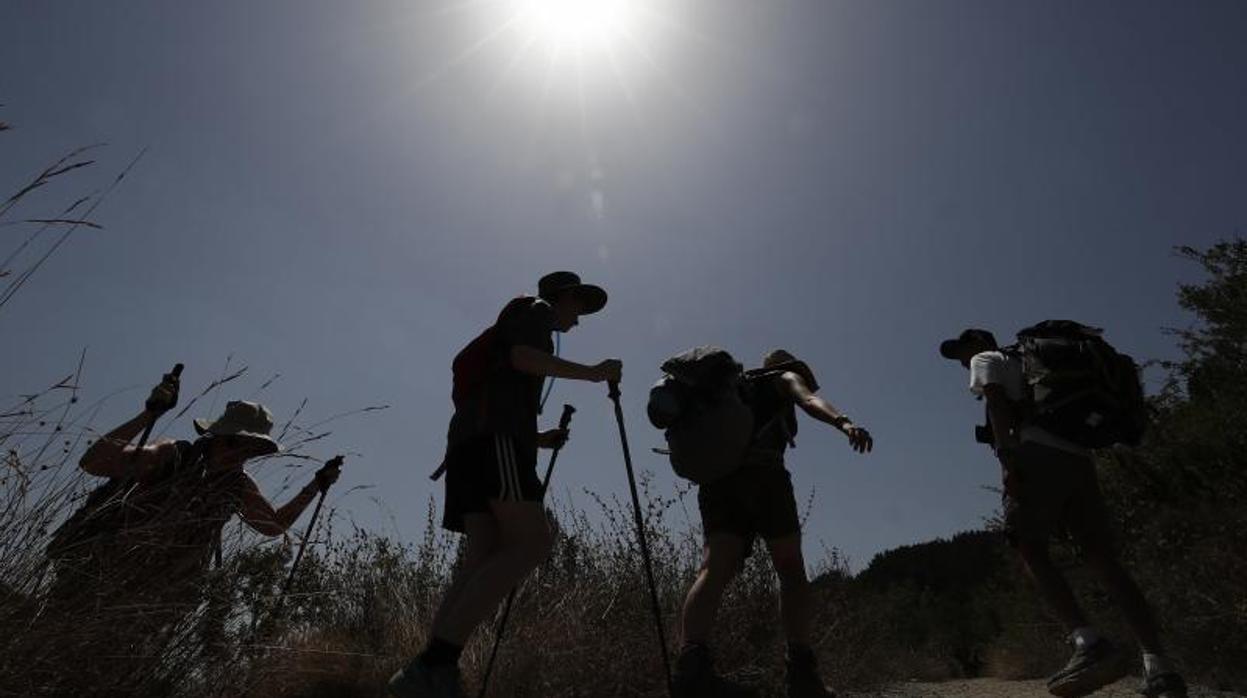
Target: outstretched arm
<point x="825" y="412"/>
<point x="536" y="362"/>
<point x="260" y="514"/>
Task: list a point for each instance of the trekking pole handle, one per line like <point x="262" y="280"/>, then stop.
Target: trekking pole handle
<point x="614" y="390"/>
<point x="177" y="370"/>
<point x="565" y="420"/>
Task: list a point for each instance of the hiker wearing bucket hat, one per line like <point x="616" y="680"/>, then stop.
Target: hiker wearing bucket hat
<point x="225" y="444"/>
<point x="1049" y="485"/>
<point x="132" y="559"/>
<point x="493" y="494"/>
<point x="756" y="500"/>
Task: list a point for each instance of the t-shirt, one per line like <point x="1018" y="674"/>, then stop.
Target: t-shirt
<point x="511" y="398"/>
<point x="998" y="368"/>
<point x="774" y="416"/>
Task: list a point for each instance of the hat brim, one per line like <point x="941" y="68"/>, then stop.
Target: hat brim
<point x="592" y="298"/>
<point x="950" y="349"/>
<point x="206" y="428"/>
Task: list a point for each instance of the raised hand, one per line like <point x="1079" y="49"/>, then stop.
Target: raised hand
<point x="329" y="473"/>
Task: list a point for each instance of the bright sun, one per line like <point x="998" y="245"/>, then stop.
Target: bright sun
<point x="577" y="24"/>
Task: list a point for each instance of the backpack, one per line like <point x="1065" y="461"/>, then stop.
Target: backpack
<point x="699" y="406"/>
<point x="476" y="363"/>
<point x="108" y="509"/>
<point x="1082" y="389"/>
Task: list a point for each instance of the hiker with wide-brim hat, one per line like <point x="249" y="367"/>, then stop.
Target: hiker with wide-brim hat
<point x="493" y="493"/>
<point x="756" y="500"/>
<point x="144" y="539"/>
<point x="1050" y="487"/>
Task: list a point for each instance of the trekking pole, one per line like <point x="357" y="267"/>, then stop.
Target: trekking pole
<point x="564" y="422"/>
<point x="294" y="566"/>
<point x="175" y="374"/>
<point x="640" y="531"/>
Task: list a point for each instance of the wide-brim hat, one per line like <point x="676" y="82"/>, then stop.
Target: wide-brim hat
<point x="951" y="348"/>
<point x="782" y="359"/>
<point x="249" y="420"/>
<point x="559" y="283"/>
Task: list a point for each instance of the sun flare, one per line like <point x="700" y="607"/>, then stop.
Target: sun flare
<point x="580" y="24"/>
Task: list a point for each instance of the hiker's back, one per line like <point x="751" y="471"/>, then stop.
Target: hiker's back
<point x="489" y="394"/>
<point x="774" y="416"/>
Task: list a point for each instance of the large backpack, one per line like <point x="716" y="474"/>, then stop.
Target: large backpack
<point x="1082" y="389"/>
<point x="698" y="405"/>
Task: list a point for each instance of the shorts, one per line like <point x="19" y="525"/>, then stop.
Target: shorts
<point x="1048" y="491"/>
<point x="491" y="467"/>
<point x="751" y="502"/>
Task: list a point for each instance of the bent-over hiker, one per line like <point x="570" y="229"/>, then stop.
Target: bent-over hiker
<point x="756" y="500"/>
<point x="136" y="553"/>
<point x="1050" y="486"/>
<point x="493" y="493"/>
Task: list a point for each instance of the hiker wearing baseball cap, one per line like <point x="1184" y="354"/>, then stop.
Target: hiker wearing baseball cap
<point x="756" y="500"/>
<point x="493" y="493"/>
<point x="1049" y="486"/>
<point x="144" y="539"/>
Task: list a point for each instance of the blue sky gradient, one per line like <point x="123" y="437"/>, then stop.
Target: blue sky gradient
<point x="345" y="193"/>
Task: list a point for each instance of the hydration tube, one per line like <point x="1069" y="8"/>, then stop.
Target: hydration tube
<point x="550" y="386"/>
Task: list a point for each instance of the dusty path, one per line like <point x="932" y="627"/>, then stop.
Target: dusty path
<point x="993" y="688"/>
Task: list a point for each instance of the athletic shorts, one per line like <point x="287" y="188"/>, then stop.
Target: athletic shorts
<point x="1048" y="491"/>
<point x="751" y="502"/>
<point x="492" y="467"/>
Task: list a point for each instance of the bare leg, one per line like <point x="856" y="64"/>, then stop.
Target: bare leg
<point x="1124" y="590"/>
<point x="794" y="588"/>
<point x="482" y="534"/>
<point x="721" y="560"/>
<point x="1052" y="585"/>
<point x="524" y="540"/>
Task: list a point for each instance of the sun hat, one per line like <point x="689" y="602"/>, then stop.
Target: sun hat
<point x="951" y="348"/>
<point x="558" y="283"/>
<point x="782" y="358"/>
<point x="241" y="418"/>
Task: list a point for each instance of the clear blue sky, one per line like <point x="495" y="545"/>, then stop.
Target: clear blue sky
<point x="346" y="192"/>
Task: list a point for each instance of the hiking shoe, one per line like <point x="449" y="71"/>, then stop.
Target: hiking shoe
<point x="695" y="678"/>
<point x="1167" y="685"/>
<point x="1092" y="667"/>
<point x="802" y="679"/>
<point x="420" y="680"/>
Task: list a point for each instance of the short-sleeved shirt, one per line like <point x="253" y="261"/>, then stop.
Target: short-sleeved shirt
<point x="1005" y="370"/>
<point x="774" y="416"/>
<point x="512" y="399"/>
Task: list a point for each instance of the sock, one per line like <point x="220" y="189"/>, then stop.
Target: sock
<point x="441" y="653"/>
<point x="1084" y="637"/>
<point x="1156" y="664"/>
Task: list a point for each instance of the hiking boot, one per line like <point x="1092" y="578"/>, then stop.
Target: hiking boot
<point x="1167" y="685"/>
<point x="695" y="678"/>
<point x="802" y="679"/>
<point x="420" y="680"/>
<point x="1092" y="667"/>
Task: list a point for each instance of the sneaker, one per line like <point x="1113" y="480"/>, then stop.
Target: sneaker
<point x="802" y="679"/>
<point x="1091" y="668"/>
<point x="695" y="678"/>
<point x="1167" y="685"/>
<point x="420" y="680"/>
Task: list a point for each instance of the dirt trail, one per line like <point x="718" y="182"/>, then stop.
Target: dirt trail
<point x="995" y="688"/>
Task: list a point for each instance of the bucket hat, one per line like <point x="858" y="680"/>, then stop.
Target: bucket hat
<point x="250" y="420"/>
